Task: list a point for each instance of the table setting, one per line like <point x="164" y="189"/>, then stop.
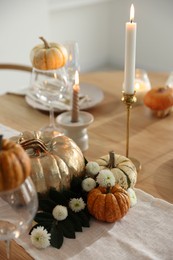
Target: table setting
<point x="95" y="180"/>
<point x="130" y="236"/>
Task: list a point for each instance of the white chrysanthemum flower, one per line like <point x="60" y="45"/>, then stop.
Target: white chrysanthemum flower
<point x="132" y="196"/>
<point x="105" y="178"/>
<point x="88" y="184"/>
<point x="40" y="238"/>
<point x="77" y="204"/>
<point x="60" y="212"/>
<point x="92" y="168"/>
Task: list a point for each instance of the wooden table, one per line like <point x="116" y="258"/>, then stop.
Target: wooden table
<point x="150" y="137"/>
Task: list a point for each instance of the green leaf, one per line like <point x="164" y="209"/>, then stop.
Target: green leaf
<point x="87" y="212"/>
<point x="75" y="220"/>
<point x="67" y="228"/>
<point x="83" y="218"/>
<point x="56" y="235"/>
<point x="69" y="194"/>
<point x="43" y="217"/>
<point x="58" y="197"/>
<point x="86" y="161"/>
<point x="84" y="195"/>
<point x="46" y="224"/>
<point x="46" y="205"/>
<point x="76" y="185"/>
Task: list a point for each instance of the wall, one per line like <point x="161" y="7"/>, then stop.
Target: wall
<point x="154" y="33"/>
<point x="98" y="26"/>
<point x="21" y="22"/>
<point x="89" y="24"/>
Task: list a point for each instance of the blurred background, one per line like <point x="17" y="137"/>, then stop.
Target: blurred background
<point x="97" y="25"/>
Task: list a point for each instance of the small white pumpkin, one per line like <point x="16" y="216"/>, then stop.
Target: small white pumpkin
<point x="123" y="169"/>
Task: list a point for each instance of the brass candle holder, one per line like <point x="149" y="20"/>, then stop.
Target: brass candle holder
<point x="128" y="100"/>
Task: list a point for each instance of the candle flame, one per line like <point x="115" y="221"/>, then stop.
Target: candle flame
<point x="132" y="13"/>
<point x="76" y="78"/>
<point x="137" y="86"/>
<point x="70" y="57"/>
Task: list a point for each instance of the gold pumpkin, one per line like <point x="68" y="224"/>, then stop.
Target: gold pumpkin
<point x="123" y="169"/>
<point x="48" y="56"/>
<point x="15" y="165"/>
<point x="54" y="159"/>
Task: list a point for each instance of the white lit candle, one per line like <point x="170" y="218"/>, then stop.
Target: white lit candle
<point x="75" y="100"/>
<point x="130" y="54"/>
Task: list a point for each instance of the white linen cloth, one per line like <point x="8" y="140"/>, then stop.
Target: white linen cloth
<point x="7" y="132"/>
<point x="145" y="233"/>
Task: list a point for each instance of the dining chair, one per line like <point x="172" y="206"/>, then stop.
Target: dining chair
<point x="11" y="66"/>
<point x="14" y="76"/>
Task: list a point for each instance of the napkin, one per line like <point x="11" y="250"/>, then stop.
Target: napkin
<point x="8" y="131"/>
<point x="20" y="92"/>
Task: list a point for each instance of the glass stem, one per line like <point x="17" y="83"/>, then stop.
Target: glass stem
<point x="8" y="245"/>
<point x="51" y="117"/>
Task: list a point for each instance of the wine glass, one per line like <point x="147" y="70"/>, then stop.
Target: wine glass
<point x="49" y="87"/>
<point x="72" y="64"/>
<point x="169" y="82"/>
<point x="17" y="210"/>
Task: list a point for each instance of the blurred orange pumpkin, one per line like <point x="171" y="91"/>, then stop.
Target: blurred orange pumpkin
<point x="15" y="165"/>
<point x="159" y="100"/>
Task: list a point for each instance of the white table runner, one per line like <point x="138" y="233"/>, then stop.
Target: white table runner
<point x="146" y="232"/>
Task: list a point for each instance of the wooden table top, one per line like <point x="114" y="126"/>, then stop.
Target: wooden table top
<point x="150" y="138"/>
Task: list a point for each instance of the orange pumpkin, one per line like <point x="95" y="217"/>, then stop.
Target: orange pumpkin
<point x="160" y="100"/>
<point x="108" y="204"/>
<point x="14" y="165"/>
<point x="48" y="56"/>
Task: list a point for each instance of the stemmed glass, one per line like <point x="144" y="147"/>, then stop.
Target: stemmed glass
<point x="142" y="84"/>
<point x="72" y="64"/>
<point x="169" y="82"/>
<point x="49" y="87"/>
<point x="17" y="210"/>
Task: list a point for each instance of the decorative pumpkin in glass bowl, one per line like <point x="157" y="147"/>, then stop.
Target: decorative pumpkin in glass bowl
<point x="54" y="159"/>
<point x="48" y="56"/>
<point x="159" y="100"/>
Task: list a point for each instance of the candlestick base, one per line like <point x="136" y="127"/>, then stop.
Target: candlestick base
<point x="76" y="130"/>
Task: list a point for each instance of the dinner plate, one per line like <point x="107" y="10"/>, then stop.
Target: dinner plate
<point x="94" y="95"/>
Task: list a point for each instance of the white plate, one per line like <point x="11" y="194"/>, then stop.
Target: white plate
<point x="94" y="93"/>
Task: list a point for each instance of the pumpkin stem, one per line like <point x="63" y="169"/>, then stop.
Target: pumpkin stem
<point x="1" y="137"/>
<point x="37" y="145"/>
<point x="108" y="188"/>
<point x="161" y="89"/>
<point x="111" y="163"/>
<point x="46" y="44"/>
